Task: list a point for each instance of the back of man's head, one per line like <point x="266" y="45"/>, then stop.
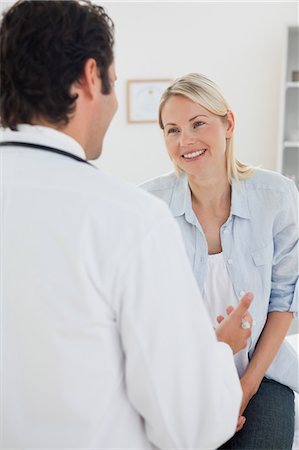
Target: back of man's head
<point x="44" y="46"/>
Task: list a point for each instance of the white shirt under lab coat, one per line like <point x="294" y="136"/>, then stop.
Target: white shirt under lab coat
<point x="104" y="337"/>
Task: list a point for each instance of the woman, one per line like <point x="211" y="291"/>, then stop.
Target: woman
<point x="240" y="227"/>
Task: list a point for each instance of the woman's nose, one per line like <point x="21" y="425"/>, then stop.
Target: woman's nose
<point x="186" y="138"/>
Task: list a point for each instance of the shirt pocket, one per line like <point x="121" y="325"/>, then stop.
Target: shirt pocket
<point x="263" y="255"/>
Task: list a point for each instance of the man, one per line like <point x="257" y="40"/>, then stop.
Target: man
<point x="105" y="340"/>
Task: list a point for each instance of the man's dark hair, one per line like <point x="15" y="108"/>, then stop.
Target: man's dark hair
<point x="44" y="46"/>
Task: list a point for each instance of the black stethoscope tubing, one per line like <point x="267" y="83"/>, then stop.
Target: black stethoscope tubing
<point x="45" y="148"/>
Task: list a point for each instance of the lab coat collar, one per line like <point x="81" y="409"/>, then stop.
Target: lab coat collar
<point x="38" y="134"/>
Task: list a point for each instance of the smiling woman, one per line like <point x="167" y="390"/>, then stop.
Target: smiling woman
<point x="206" y="108"/>
<point x="240" y="227"/>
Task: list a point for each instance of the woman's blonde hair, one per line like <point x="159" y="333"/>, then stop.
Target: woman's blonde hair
<point x="206" y="93"/>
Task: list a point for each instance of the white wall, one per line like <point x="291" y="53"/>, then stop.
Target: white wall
<point x="239" y="45"/>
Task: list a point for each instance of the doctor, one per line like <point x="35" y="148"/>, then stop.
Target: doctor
<point x="105" y="340"/>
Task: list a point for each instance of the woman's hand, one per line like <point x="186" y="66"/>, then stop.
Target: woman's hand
<point x="249" y="391"/>
<point x="230" y="329"/>
<point x="240" y="423"/>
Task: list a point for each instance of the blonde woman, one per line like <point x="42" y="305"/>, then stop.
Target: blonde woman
<point x="240" y="227"/>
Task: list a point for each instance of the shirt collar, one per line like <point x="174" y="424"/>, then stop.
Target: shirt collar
<point x="240" y="199"/>
<point x="181" y="192"/>
<point x="181" y="198"/>
<point x="37" y="134"/>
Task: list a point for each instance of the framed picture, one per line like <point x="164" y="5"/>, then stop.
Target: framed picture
<point x="143" y="98"/>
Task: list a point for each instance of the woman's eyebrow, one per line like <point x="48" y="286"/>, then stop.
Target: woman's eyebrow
<point x="199" y="115"/>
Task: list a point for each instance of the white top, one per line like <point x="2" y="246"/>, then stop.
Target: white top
<point x="218" y="294"/>
<point x="106" y="343"/>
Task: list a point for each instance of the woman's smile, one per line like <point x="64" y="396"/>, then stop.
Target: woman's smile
<point x="194" y="154"/>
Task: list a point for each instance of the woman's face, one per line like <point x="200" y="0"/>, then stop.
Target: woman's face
<point x="195" y="138"/>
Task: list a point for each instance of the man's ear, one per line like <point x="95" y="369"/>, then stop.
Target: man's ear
<point x="230" y="124"/>
<point x="89" y="82"/>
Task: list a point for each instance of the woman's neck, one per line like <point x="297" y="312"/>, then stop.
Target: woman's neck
<point x="213" y="193"/>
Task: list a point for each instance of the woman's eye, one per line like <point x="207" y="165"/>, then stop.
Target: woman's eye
<point x="198" y="124"/>
<point x="172" y="130"/>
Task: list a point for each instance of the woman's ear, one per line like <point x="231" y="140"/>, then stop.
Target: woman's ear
<point x="230" y="124"/>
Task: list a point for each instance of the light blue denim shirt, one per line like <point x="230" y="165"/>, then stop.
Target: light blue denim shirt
<point x="259" y="243"/>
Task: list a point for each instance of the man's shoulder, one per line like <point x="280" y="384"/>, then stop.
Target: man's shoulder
<point x="125" y="198"/>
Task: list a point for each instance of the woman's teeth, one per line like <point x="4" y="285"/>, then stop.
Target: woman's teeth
<point x="194" y="154"/>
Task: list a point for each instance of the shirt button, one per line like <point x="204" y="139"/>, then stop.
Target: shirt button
<point x="225" y="231"/>
<point x="241" y="293"/>
<point x="229" y="261"/>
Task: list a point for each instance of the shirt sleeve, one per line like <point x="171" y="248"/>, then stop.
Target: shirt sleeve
<point x="180" y="379"/>
<point x="285" y="269"/>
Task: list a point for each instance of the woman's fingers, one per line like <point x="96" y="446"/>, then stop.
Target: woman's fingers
<point x="219" y="319"/>
<point x="240" y="423"/>
<point x="242" y="309"/>
<point x="229" y="309"/>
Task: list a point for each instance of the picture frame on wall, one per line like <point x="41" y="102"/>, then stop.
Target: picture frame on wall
<point x="143" y="97"/>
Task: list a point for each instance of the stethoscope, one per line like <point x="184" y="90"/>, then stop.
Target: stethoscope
<point x="45" y="148"/>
